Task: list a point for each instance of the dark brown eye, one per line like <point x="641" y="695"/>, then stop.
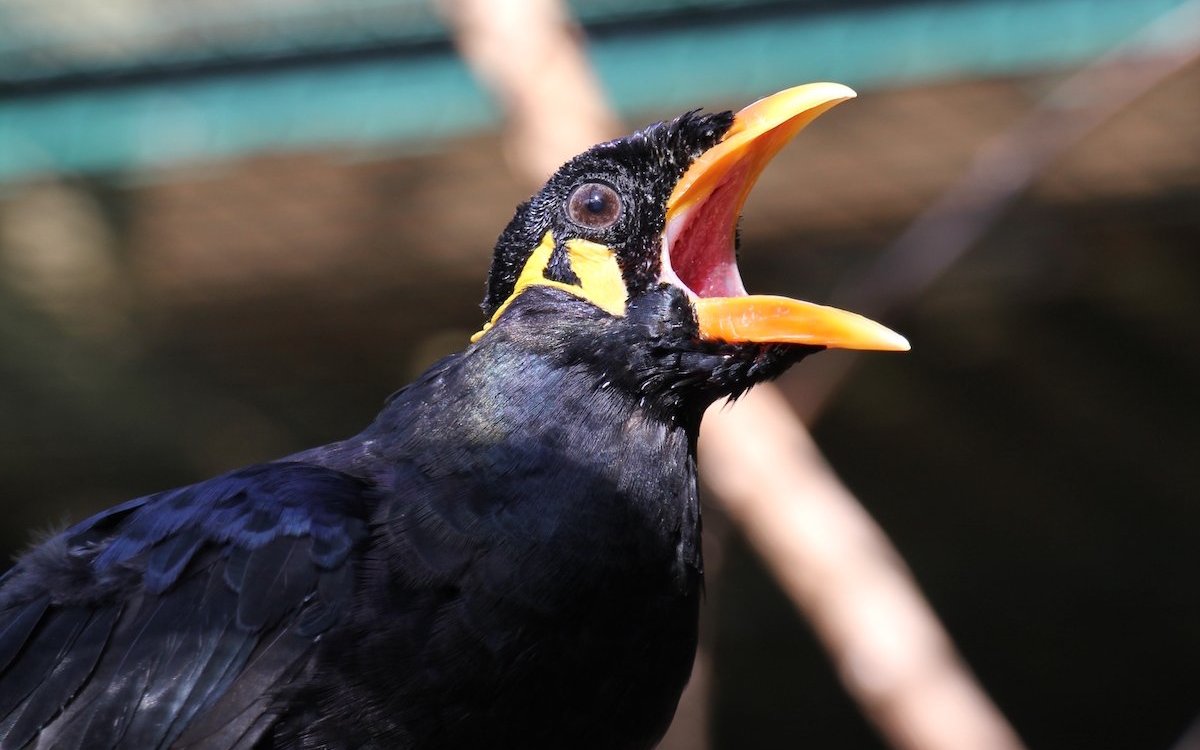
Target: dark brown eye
<point x="594" y="205"/>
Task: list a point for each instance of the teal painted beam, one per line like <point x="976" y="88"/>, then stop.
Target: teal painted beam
<point x="419" y="101"/>
<point x="868" y="48"/>
<point x="144" y="127"/>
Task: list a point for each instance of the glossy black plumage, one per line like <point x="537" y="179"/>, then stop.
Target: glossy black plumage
<point x="508" y="557"/>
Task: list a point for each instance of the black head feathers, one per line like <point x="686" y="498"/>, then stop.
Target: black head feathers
<point x="642" y="168"/>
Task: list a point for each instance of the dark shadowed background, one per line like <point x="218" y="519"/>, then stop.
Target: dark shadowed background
<point x="227" y="232"/>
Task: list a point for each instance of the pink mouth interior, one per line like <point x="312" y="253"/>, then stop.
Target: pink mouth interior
<point x="700" y="242"/>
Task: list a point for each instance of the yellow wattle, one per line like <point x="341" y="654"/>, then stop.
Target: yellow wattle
<point x="600" y="280"/>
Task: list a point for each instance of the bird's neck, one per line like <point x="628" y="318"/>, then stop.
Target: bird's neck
<point x="503" y="392"/>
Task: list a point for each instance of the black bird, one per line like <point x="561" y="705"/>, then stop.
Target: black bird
<point x="507" y="557"/>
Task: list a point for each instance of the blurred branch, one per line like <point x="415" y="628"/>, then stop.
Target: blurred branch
<point x="837" y="565"/>
<point x="1190" y="739"/>
<point x="832" y="559"/>
<point x="1001" y="173"/>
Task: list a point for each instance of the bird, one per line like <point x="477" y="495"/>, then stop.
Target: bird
<point x="508" y="556"/>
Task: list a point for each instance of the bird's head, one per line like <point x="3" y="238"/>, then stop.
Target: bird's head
<point x="625" y="260"/>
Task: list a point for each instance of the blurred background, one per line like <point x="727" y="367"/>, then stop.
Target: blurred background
<point x="229" y="230"/>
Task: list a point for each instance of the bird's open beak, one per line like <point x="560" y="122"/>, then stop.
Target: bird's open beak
<point x="702" y="215"/>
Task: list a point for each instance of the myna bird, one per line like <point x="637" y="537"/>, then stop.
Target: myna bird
<point x="507" y="557"/>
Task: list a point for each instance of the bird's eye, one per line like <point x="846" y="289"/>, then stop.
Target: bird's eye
<point x="594" y="205"/>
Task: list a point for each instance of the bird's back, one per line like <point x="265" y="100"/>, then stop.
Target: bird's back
<point x="510" y="568"/>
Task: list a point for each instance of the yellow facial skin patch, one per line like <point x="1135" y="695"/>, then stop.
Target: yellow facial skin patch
<point x="595" y="265"/>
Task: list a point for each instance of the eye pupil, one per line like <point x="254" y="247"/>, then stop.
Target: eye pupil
<point x="594" y="205"/>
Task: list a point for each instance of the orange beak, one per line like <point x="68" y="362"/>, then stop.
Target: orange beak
<point x="702" y="214"/>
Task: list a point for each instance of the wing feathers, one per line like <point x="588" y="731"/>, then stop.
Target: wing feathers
<point x="177" y="613"/>
<point x="69" y="674"/>
<point x="234" y="719"/>
<point x="276" y="578"/>
<point x="52" y="642"/>
<point x="18" y="627"/>
<point x="168" y="558"/>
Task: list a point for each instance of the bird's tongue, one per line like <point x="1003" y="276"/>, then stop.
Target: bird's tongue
<point x="702" y="214"/>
